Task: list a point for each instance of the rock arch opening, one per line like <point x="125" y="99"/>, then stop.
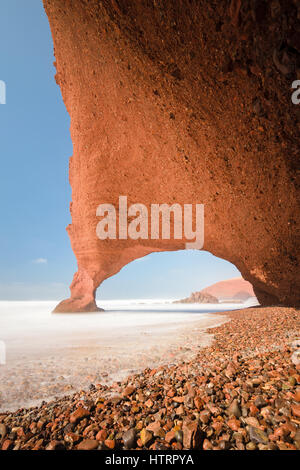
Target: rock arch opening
<point x="172" y="276"/>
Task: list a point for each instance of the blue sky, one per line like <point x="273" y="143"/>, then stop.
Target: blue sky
<point x="36" y="260"/>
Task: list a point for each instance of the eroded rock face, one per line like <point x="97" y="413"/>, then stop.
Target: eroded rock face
<point x="183" y="102"/>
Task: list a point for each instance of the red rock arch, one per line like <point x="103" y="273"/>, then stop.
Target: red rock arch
<point x="180" y="102"/>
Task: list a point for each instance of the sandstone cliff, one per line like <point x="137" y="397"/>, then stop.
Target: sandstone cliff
<point x="236" y="288"/>
<point x="188" y="102"/>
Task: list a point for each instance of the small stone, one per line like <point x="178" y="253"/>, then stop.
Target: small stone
<point x="297" y="438"/>
<point x="295" y="358"/>
<point x="7" y="444"/>
<point x="204" y="416"/>
<point x="129" y="390"/>
<point x="170" y="437"/>
<point x="279" y="432"/>
<point x="146" y="437"/>
<point x="3" y="430"/>
<point x="90" y="429"/>
<point x="253" y="410"/>
<point x="189" y="402"/>
<point x="207" y="445"/>
<point x="286" y="386"/>
<point x="192" y="436"/>
<point x="110" y="443"/>
<point x="238" y="436"/>
<point x="250" y="446"/>
<point x="257" y="435"/>
<point x="72" y="438"/>
<point x="38" y="445"/>
<point x="178" y="399"/>
<point x="149" y="403"/>
<point x="234" y="424"/>
<point x="266" y="412"/>
<point x="263" y="447"/>
<point x="154" y="427"/>
<point x="69" y="428"/>
<point x="272" y="446"/>
<point x="55" y="445"/>
<point x="252" y="421"/>
<point x="180" y="410"/>
<point x="32" y="427"/>
<point x="296" y="410"/>
<point x="234" y="409"/>
<point x="129" y="439"/>
<point x="179" y="436"/>
<point x="260" y="402"/>
<point x="78" y="415"/>
<point x="240" y="446"/>
<point x="292" y="381"/>
<point x="115" y="400"/>
<point x="256" y="382"/>
<point x="230" y="370"/>
<point x="198" y="403"/>
<point x="88" y="444"/>
<point x="224" y="445"/>
<point x="101" y="435"/>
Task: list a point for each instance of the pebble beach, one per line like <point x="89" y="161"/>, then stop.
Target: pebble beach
<point x="240" y="391"/>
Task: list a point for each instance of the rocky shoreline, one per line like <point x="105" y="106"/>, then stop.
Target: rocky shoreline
<point x="242" y="393"/>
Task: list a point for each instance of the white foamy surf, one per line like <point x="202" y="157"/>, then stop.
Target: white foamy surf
<point x="50" y="355"/>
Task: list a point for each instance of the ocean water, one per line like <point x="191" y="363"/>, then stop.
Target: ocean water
<point x="30" y="325"/>
<point x="45" y="355"/>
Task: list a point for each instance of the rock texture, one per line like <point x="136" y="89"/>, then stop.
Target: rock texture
<point x="236" y="288"/>
<point x="187" y="102"/>
<point x="198" y="298"/>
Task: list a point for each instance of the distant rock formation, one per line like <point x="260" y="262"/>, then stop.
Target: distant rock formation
<point x="234" y="290"/>
<point x="198" y="298"/>
<point x="231" y="289"/>
<point x="242" y="295"/>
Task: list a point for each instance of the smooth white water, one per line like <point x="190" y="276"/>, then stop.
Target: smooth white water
<point x="48" y="355"/>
